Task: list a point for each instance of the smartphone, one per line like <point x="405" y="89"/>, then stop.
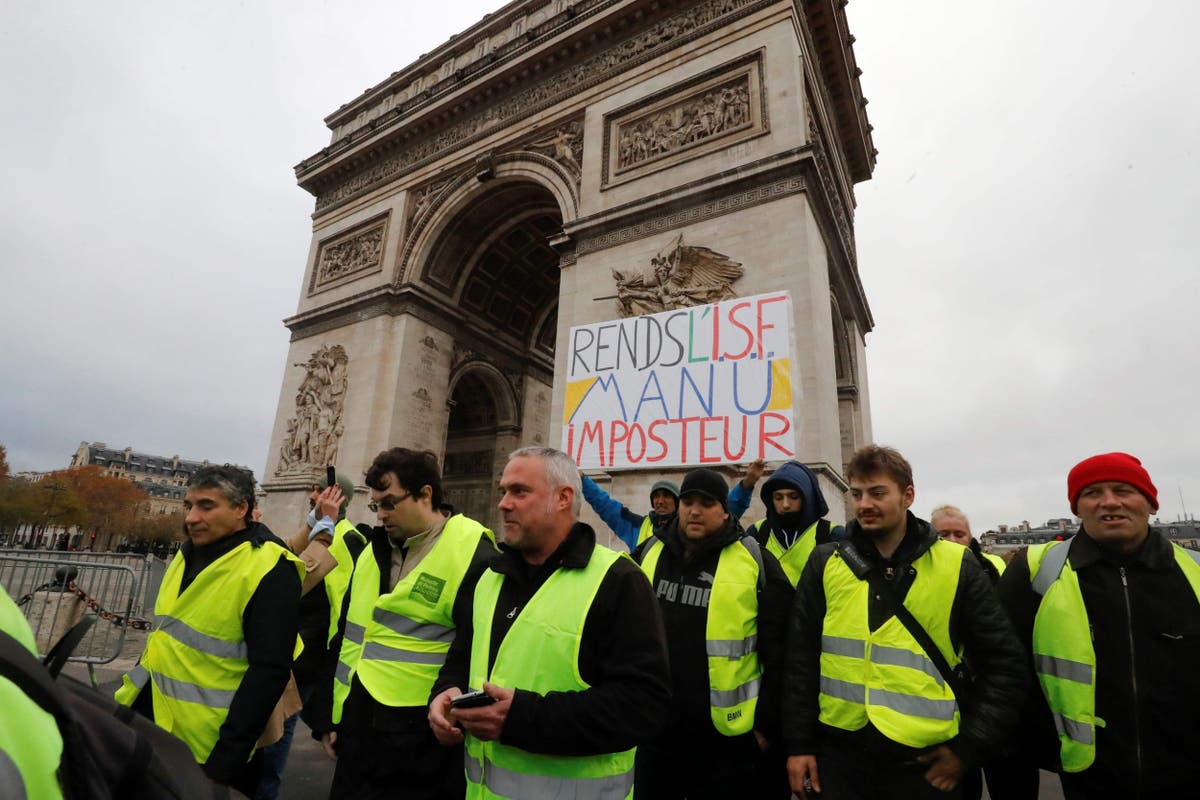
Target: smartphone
<point x="472" y="700"/>
<point x="330" y="476"/>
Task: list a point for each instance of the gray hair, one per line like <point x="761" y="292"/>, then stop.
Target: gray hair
<point x="560" y="470"/>
<point x="235" y="484"/>
<point x="947" y="510"/>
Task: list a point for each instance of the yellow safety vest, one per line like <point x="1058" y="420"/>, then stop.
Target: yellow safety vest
<point x="884" y="676"/>
<point x="1063" y="655"/>
<point x="30" y="743"/>
<point x="997" y="562"/>
<point x="646" y="531"/>
<point x="396" y="643"/>
<point x="337" y="580"/>
<point x="730" y="632"/>
<point x="793" y="558"/>
<point x="195" y="657"/>
<point x="540" y="653"/>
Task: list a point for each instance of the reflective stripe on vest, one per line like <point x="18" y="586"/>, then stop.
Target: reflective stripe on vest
<point x="352" y="641"/>
<point x="508" y="783"/>
<point x="793" y="558"/>
<point x="731" y="633"/>
<point x="12" y="783"/>
<point x="540" y="653"/>
<point x="406" y="633"/>
<point x="886" y="678"/>
<point x="1063" y="653"/>
<point x="337" y="580"/>
<point x="196" y="656"/>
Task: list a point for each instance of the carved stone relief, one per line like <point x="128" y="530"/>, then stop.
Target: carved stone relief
<point x="716" y="109"/>
<point x="564" y="145"/>
<point x="679" y="277"/>
<point x="690" y="23"/>
<point x="315" y="433"/>
<point x="350" y="255"/>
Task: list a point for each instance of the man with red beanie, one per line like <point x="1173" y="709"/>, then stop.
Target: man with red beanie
<point x="1112" y="621"/>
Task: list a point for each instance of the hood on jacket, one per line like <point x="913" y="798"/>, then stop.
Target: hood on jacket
<point x="794" y="475"/>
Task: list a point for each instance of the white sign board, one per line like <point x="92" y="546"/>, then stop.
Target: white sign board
<point x="702" y="385"/>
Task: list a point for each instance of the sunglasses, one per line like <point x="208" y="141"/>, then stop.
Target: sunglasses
<point x="388" y="503"/>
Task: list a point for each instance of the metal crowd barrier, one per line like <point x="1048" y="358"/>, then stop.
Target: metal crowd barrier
<point x="54" y="591"/>
<point x="148" y="569"/>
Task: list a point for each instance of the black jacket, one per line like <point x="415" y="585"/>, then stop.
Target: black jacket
<point x="988" y="567"/>
<point x="977" y="624"/>
<point x="621" y="657"/>
<point x="1145" y="623"/>
<point x="682" y="582"/>
<point x="269" y="624"/>
<point x="360" y="708"/>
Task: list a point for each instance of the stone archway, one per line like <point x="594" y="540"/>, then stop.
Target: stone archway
<point x="481" y="430"/>
<point x="492" y="253"/>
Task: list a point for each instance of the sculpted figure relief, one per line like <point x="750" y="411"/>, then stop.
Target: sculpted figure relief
<point x="720" y="110"/>
<point x="565" y="146"/>
<point x="680" y="276"/>
<point x="353" y="255"/>
<point x="315" y="433"/>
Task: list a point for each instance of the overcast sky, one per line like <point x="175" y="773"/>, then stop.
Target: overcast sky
<point x="1027" y="242"/>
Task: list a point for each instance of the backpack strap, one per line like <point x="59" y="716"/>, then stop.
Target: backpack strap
<point x="22" y="668"/>
<point x="864" y="570"/>
<point x="751" y="544"/>
<point x="824" y="529"/>
<point x="56" y="659"/>
<point x="1051" y="567"/>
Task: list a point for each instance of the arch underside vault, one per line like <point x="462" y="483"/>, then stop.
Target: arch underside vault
<point x="493" y="255"/>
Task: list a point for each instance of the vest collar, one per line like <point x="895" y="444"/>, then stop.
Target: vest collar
<point x="574" y="553"/>
<point x="918" y="538"/>
<point x="1154" y="554"/>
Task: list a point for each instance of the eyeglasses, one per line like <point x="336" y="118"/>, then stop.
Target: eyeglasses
<point x="388" y="503"/>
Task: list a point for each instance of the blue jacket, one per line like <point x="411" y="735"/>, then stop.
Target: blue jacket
<point x="624" y="523"/>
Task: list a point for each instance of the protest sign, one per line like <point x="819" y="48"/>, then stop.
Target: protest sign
<point x="703" y="385"/>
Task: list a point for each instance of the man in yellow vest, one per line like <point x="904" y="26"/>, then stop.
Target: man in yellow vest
<point x="952" y="525"/>
<point x="725" y="601"/>
<point x="566" y="644"/>
<point x="339" y="544"/>
<point x="410" y="592"/>
<point x="875" y="701"/>
<point x="795" y="522"/>
<point x="632" y="528"/>
<point x="224" y="637"/>
<point x="1112" y="619"/>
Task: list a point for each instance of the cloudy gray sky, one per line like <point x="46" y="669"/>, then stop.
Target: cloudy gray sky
<point x="1027" y="242"/>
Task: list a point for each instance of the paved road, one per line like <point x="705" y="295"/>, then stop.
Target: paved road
<point x="309" y="771"/>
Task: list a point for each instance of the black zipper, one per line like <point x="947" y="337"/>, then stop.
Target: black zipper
<point x="1137" y="732"/>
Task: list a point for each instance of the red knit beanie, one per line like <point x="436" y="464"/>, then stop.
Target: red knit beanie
<point x="1120" y="467"/>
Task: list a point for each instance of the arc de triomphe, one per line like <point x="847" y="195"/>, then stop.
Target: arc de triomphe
<point x="473" y="206"/>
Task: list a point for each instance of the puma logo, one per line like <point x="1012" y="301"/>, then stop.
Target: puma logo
<point x="706" y="578"/>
